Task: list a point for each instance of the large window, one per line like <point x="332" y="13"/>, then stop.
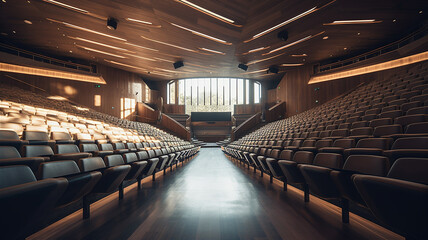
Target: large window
<point x="127" y="107"/>
<point x="212" y="94"/>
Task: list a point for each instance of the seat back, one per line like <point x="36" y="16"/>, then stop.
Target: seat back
<point x="329" y="160"/>
<point x="323" y="143"/>
<point x="57" y="169"/>
<point x="91" y="164"/>
<point x="387" y="130"/>
<point x="142" y="155"/>
<point x="89" y="147"/>
<point x="130" y="157"/>
<point x="114" y="160"/>
<point x="38" y="151"/>
<point x="303" y="157"/>
<point x="381" y="143"/>
<point x="15" y="175"/>
<point x="410" y="169"/>
<point x="8" y="134"/>
<point x="9" y="152"/>
<point x="35" y="135"/>
<point x="106" y="147"/>
<point x="344" y="143"/>
<point x="411" y="143"/>
<point x="367" y="164"/>
<point x="66" y="148"/>
<point x="60" y="136"/>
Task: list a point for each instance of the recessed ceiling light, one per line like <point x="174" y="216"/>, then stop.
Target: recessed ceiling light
<point x="420" y="12"/>
<point x="358" y="33"/>
<point x="294" y="43"/>
<point x="394" y="20"/>
<point x="137" y="56"/>
<point x="169" y="44"/>
<point x="164" y="60"/>
<point x="345" y="48"/>
<point x="206" y="11"/>
<point x="345" y="22"/>
<point x="4" y="1"/>
<point x="134" y="45"/>
<point x="284" y="23"/>
<point x="101" y="44"/>
<point x="299" y="55"/>
<point x="256" y="50"/>
<point x="213" y="51"/>
<point x="139" y="21"/>
<point x="125" y="65"/>
<point x="71" y="51"/>
<point x="291" y="64"/>
<point x="325" y="38"/>
<point x="60" y="4"/>
<point x="99" y="51"/>
<point x="85" y="29"/>
<point x="202" y="34"/>
<point x="14" y="31"/>
<point x="28" y="22"/>
<point x="314" y="9"/>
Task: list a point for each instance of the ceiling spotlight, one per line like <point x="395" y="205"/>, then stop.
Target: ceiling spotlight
<point x="394" y="20"/>
<point x="178" y="64"/>
<point x="28" y="22"/>
<point x="325" y="38"/>
<point x="283" y="35"/>
<point x="273" y="69"/>
<point x="111" y="23"/>
<point x="243" y="66"/>
<point x="420" y="12"/>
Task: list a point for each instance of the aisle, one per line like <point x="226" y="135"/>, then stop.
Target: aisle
<point x="211" y="198"/>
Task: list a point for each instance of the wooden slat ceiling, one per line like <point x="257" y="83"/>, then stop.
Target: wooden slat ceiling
<point x="48" y="33"/>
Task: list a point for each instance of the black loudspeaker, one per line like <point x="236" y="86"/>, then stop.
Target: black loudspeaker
<point x="178" y="64"/>
<point x="283" y="35"/>
<point x="243" y="66"/>
<point x="273" y="69"/>
<point x="111" y="23"/>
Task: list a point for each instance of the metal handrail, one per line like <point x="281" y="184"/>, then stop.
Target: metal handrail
<point x="45" y="59"/>
<point x="374" y="53"/>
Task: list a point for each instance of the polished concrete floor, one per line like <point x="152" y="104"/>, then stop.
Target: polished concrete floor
<point x="212" y="197"/>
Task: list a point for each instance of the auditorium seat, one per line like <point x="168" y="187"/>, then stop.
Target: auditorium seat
<point x="25" y="202"/>
<point x="69" y="152"/>
<point x="292" y="173"/>
<point x="93" y="149"/>
<point x="408" y="147"/>
<point x="317" y="176"/>
<point x="62" y="138"/>
<point x="9" y="155"/>
<point x="275" y="169"/>
<point x="339" y="146"/>
<point x="358" y="164"/>
<point x="110" y="181"/>
<point x="79" y="184"/>
<point x="399" y="200"/>
<point x="369" y="146"/>
<point x="9" y="137"/>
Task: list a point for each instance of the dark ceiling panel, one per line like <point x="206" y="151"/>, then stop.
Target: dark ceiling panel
<point x="148" y="48"/>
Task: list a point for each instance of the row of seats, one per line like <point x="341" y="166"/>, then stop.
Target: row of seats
<point x="368" y="147"/>
<point x="51" y="159"/>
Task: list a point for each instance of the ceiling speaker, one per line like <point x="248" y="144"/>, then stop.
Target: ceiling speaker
<point x="243" y="66"/>
<point x="273" y="69"/>
<point x="178" y="64"/>
<point x="111" y="23"/>
<point x="283" y="35"/>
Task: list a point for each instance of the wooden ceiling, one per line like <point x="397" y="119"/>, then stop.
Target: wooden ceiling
<point x="150" y="49"/>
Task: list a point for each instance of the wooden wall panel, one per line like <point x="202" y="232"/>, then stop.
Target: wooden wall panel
<point x="173" y="109"/>
<point x="299" y="96"/>
<point x="120" y="84"/>
<point x="247" y="108"/>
